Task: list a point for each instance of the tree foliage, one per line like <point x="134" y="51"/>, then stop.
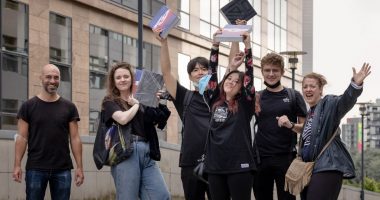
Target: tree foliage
<point x="371" y="170"/>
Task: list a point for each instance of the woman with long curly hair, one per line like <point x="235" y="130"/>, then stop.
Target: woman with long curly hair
<point x="137" y="177"/>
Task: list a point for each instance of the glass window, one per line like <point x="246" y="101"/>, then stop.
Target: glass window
<point x="257" y="83"/>
<point x="130" y="50"/>
<point x="221" y="72"/>
<point x="257" y="6"/>
<point x="256" y="50"/>
<point x="64" y="88"/>
<point x="256" y="32"/>
<point x="271" y="10"/>
<point x="147" y="59"/>
<point x="98" y="68"/>
<point x="60" y="38"/>
<point x="14" y="88"/>
<point x="277" y="22"/>
<point x="277" y="38"/>
<point x="13" y="61"/>
<point x="205" y="29"/>
<point x="277" y="11"/>
<point x="150" y="7"/>
<point x="156" y="65"/>
<point x="14" y="26"/>
<point x="283" y="40"/>
<point x="98" y="49"/>
<point x="211" y="18"/>
<point x="284" y="14"/>
<point x="223" y="21"/>
<point x="115" y="47"/>
<point x="183" y="76"/>
<point x="270" y="35"/>
<point x="184" y="12"/>
<point x="60" y="30"/>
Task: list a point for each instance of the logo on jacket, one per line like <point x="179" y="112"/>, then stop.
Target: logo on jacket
<point x="286" y="100"/>
<point x="220" y="114"/>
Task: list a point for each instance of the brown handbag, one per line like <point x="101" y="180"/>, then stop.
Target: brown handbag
<point x="299" y="172"/>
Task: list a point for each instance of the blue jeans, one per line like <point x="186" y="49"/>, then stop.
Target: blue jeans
<point x="59" y="183"/>
<point x="139" y="176"/>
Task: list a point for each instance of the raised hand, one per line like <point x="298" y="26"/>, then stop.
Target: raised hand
<point x="157" y="32"/>
<point x="214" y="43"/>
<point x="132" y="101"/>
<point x="247" y="40"/>
<point x="241" y="22"/>
<point x="359" y="77"/>
<point x="236" y="61"/>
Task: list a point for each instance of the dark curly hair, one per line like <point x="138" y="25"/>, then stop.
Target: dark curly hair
<point x="273" y="59"/>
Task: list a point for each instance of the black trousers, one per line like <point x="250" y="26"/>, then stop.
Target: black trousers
<point x="272" y="169"/>
<point x="237" y="186"/>
<point x="193" y="188"/>
<point x="323" y="185"/>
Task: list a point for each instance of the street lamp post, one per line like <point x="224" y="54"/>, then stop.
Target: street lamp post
<point x="362" y="109"/>
<point x="293" y="60"/>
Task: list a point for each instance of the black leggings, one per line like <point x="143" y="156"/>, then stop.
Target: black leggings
<point x="272" y="170"/>
<point x="323" y="185"/>
<point x="226" y="186"/>
<point x="193" y="188"/>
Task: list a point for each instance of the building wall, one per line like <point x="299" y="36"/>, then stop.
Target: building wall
<point x="350" y="133"/>
<point x="373" y="124"/>
<point x="307" y="36"/>
<point x="115" y="17"/>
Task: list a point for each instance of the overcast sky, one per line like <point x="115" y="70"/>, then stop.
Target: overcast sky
<point x="346" y="34"/>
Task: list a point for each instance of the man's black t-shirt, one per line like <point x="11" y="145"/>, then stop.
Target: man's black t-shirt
<point x="195" y="128"/>
<point x="48" y="139"/>
<point x="270" y="138"/>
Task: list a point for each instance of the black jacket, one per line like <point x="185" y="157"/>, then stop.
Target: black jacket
<point x="155" y="116"/>
<point x="327" y="115"/>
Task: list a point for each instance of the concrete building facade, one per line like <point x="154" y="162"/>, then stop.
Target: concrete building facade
<point x="373" y="120"/>
<point x="350" y="133"/>
<point x="84" y="37"/>
<point x="352" y="129"/>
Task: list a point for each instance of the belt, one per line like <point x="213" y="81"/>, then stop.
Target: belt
<point x="137" y="138"/>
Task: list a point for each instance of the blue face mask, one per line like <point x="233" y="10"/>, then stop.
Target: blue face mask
<point x="203" y="82"/>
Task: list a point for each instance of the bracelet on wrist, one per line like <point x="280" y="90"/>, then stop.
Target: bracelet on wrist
<point x="291" y="126"/>
<point x="215" y="47"/>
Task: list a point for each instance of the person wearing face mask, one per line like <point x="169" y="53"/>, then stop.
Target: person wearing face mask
<point x="229" y="155"/>
<point x="195" y="113"/>
<point x="323" y="119"/>
<point x="278" y="120"/>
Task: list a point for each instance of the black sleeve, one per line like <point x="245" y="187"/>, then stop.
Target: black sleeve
<point x="178" y="101"/>
<point x="23" y="112"/>
<point x="74" y="115"/>
<point x="109" y="108"/>
<point x="301" y="105"/>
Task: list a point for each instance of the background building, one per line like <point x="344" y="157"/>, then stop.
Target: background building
<point x="84" y="37"/>
<point x="350" y="134"/>
<point x="373" y="126"/>
<point x="352" y="130"/>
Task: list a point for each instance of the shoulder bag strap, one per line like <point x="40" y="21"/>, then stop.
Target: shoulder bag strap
<point x="328" y="143"/>
<point x="255" y="127"/>
<point x="186" y="103"/>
